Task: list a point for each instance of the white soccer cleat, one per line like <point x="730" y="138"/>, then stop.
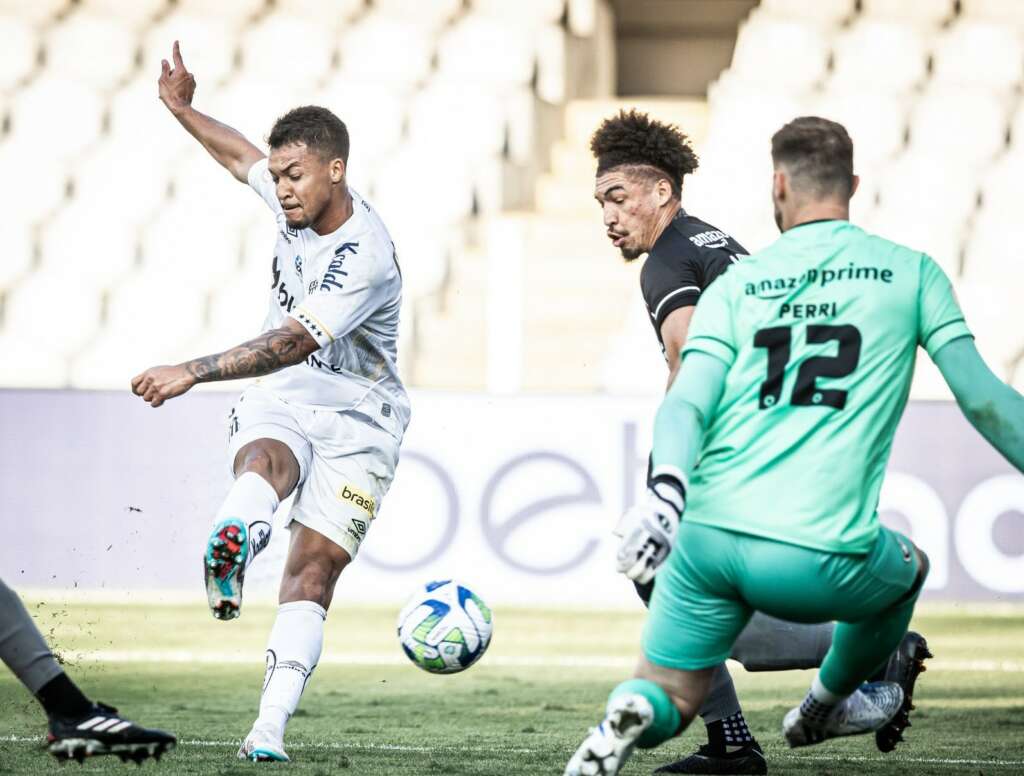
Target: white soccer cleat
<point x="609" y="745"/>
<point x="867" y="709"/>
<point x="262" y="746"/>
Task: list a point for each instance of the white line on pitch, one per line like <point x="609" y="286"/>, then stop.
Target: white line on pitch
<point x="499" y="661"/>
<point x="333" y="746"/>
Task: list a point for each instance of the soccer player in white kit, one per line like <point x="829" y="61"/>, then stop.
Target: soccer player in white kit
<point x="326" y="419"/>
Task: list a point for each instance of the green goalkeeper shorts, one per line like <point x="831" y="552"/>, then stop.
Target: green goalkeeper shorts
<point x="715" y="579"/>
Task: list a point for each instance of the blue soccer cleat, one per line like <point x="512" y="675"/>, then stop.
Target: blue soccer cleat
<point x="227" y="553"/>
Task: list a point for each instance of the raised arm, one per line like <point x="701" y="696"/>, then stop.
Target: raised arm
<point x="995" y="409"/>
<point x="228" y="146"/>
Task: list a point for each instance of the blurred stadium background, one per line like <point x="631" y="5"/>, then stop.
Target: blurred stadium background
<point x="533" y="368"/>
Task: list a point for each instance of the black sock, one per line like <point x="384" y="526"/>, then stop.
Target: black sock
<point x="62" y="698"/>
<point x="731" y="731"/>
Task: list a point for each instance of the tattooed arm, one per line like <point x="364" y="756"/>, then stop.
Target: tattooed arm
<point x="271" y="351"/>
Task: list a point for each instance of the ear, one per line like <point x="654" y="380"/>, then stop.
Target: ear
<point x="338" y="169"/>
<point x="856" y="184"/>
<point x="663" y="191"/>
<point x="780" y="184"/>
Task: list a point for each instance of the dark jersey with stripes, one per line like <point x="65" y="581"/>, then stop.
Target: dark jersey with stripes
<point x="685" y="259"/>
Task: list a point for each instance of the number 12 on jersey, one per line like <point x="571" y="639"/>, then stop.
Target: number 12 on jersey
<point x="777" y="340"/>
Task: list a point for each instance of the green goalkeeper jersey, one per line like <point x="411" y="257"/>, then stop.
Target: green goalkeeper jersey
<point x="820" y="332"/>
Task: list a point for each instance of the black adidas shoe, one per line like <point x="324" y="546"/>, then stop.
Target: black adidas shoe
<point x="747" y="759"/>
<point x="102" y="731"/>
<point x="905" y="665"/>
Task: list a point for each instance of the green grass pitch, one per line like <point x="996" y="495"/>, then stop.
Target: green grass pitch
<point x="521" y="710"/>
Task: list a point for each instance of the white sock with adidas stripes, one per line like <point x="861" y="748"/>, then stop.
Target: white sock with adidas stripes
<point x="292" y="653"/>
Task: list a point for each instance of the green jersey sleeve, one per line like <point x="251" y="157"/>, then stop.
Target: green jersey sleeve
<point x="712" y="328"/>
<point x="940" y="320"/>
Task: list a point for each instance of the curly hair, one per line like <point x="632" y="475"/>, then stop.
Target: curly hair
<point x="317" y="127"/>
<point x="635" y="139"/>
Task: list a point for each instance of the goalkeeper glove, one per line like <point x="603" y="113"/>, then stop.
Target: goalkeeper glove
<point x="649" y="529"/>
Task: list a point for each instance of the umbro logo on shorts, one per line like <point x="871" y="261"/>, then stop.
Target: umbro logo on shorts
<point x="360" y="527"/>
<point x="359" y="499"/>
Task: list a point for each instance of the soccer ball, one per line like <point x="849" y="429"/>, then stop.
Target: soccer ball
<point x="445" y="627"/>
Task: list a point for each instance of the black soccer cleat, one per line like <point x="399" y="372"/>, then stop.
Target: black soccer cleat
<point x="748" y="759"/>
<point x="905" y="665"/>
<point x="101" y="731"/>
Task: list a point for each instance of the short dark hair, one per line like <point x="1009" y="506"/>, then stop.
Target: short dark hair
<point x="635" y="139"/>
<point x="818" y="152"/>
<point x="317" y="127"/>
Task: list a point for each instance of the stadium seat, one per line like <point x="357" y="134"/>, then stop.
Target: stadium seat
<point x="988" y="257"/>
<point x="979" y="54"/>
<point x="42" y="181"/>
<point x="422" y="247"/>
<point x="466" y="52"/>
<point x="528" y="12"/>
<point x="307" y="62"/>
<point x="411" y="176"/>
<point x="234" y="12"/>
<point x="53" y="310"/>
<point x="135" y="14"/>
<point x="381" y="49"/>
<point x="259" y="236"/>
<point x="375" y="118"/>
<point x="24" y="363"/>
<point x="332" y="13"/>
<point x="237" y="310"/>
<point x="86" y="243"/>
<point x="34" y="121"/>
<point x="252" y="105"/>
<point x="208" y="46"/>
<point x="458" y="120"/>
<point x="90" y="48"/>
<point x="963" y="127"/>
<point x="431" y="14"/>
<point x="999" y="11"/>
<point x="929" y="13"/>
<point x="35" y="12"/>
<point x="988" y="305"/>
<point x="942" y="240"/>
<point x="139" y="121"/>
<point x="825" y="13"/>
<point x="165" y="311"/>
<point x="121" y="179"/>
<point x="20" y="53"/>
<point x="19" y="253"/>
<point x="878" y="54"/>
<point x="743" y="116"/>
<point x="1001" y="186"/>
<point x="206" y="187"/>
<point x="909" y="185"/>
<point x="876" y="121"/>
<point x="783" y="53"/>
<point x="190" y="241"/>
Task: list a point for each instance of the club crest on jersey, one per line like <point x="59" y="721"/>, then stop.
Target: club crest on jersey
<point x="332" y="278"/>
<point x="298" y="266"/>
<point x="357" y="498"/>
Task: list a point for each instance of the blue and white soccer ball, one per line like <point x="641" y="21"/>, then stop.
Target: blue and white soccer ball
<point x="445" y="627"/>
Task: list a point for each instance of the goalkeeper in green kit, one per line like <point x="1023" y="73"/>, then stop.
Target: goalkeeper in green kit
<point x="774" y="438"/>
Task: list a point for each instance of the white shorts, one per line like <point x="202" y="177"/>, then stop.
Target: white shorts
<point x="346" y="462"/>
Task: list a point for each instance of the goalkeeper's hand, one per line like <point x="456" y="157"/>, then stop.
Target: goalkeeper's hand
<point x="649" y="529"/>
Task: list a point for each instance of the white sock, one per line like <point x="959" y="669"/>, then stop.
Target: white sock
<point x="253" y="500"/>
<point x="292" y="653"/>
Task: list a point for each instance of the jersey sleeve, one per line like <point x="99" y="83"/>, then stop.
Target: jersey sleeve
<point x="263" y="184"/>
<point x="711" y="330"/>
<point x="669" y="285"/>
<point x="347" y="294"/>
<point x="940" y="320"/>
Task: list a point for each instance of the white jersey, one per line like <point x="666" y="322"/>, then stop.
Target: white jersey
<point x="345" y="288"/>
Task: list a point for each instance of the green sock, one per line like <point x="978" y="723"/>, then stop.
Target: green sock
<point x="666" y="716"/>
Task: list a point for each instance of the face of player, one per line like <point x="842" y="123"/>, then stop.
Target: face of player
<point x="306" y="183"/>
<point x="633" y="207"/>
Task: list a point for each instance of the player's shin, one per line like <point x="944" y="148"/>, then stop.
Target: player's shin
<point x="241" y="530"/>
<point x="292" y="653"/>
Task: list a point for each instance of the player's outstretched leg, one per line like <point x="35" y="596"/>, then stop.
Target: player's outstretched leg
<point x="242" y="527"/>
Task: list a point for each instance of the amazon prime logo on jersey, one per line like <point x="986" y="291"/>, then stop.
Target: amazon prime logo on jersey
<point x="712" y="239"/>
<point x="332" y="278"/>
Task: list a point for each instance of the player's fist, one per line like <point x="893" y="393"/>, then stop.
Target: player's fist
<point x="649" y="530"/>
<point x="177" y="84"/>
<point x="160" y="383"/>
